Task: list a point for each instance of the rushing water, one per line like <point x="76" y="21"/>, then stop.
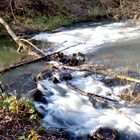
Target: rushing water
<point x="104" y="43"/>
<point x="112" y="44"/>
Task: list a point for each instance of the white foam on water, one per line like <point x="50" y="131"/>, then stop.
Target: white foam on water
<point x="88" y="38"/>
<point x="73" y="112"/>
<point x="68" y="109"/>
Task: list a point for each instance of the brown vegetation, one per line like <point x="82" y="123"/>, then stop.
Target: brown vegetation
<point x="45" y="15"/>
<point x="109" y="8"/>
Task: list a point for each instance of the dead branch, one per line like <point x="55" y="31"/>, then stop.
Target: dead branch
<point x="13" y="35"/>
<point x="93" y="95"/>
<point x="37" y="49"/>
<point x="99" y="70"/>
<point x="84" y="67"/>
<point x="22" y="43"/>
<point x="70" y="46"/>
<point x="126" y="115"/>
<point x="13" y="66"/>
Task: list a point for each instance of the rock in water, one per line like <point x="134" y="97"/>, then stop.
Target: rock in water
<point x="73" y="62"/>
<point x="65" y="76"/>
<point x="80" y="56"/>
<point x="38" y="96"/>
<point x="105" y="133"/>
<point x="43" y="75"/>
<point x="54" y="80"/>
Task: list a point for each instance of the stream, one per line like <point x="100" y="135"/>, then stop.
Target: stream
<point x="112" y="45"/>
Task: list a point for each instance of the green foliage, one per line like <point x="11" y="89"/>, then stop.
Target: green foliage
<point x="22" y="137"/>
<point x="17" y="113"/>
<point x="33" y="135"/>
<point x="16" y="106"/>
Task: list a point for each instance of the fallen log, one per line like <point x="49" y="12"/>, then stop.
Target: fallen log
<point x="98" y="70"/>
<point x="13" y="66"/>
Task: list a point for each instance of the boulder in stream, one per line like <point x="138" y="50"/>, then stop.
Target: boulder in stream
<point x="105" y="133"/>
<point x="65" y="76"/>
<point x="43" y="75"/>
<point x="38" y="96"/>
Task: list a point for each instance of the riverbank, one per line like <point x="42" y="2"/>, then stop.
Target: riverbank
<point x="40" y="16"/>
<point x="19" y="120"/>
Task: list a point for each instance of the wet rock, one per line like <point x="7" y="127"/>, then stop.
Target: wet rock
<point x="105" y="133"/>
<point x="61" y="55"/>
<point x="43" y="75"/>
<point x="74" y="55"/>
<point x="110" y="82"/>
<point x="73" y="62"/>
<point x="65" y="76"/>
<point x="88" y="74"/>
<point x="41" y="111"/>
<point x="80" y="56"/>
<point x="64" y="60"/>
<point x="55" y="80"/>
<point x="58" y="55"/>
<point x="38" y="96"/>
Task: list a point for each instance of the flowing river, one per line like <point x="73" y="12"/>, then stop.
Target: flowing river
<point x="111" y="44"/>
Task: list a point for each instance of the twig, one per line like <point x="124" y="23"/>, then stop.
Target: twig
<point x="87" y="94"/>
<point x="100" y="70"/>
<point x="10" y="3"/>
<point x="37" y="49"/>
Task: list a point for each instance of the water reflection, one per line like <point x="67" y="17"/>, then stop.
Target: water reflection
<point x="8" y="52"/>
